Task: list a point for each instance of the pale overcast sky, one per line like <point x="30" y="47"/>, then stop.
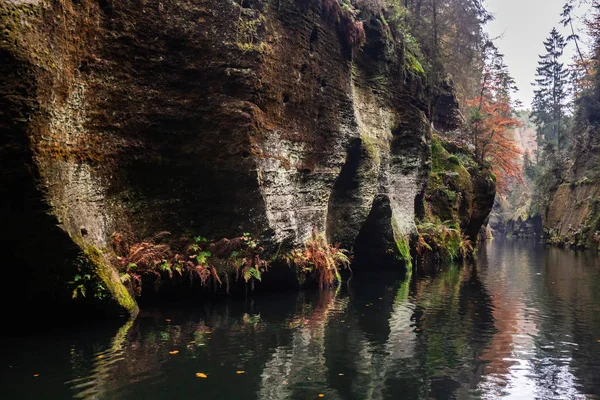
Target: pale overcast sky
<point x="524" y="25"/>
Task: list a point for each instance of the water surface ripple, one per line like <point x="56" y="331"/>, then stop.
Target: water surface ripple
<point x="523" y="323"/>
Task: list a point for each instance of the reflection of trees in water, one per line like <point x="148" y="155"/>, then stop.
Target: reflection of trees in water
<point x="544" y="300"/>
<point x="567" y="353"/>
<point x="530" y="331"/>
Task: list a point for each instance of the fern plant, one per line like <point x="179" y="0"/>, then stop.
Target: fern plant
<point x="320" y="260"/>
<point x="85" y="283"/>
<point x="444" y="239"/>
<point x="213" y="263"/>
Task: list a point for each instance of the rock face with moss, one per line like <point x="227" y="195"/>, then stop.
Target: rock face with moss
<point x="209" y="117"/>
<point x="571" y="208"/>
<point x="572" y="217"/>
<point x="512" y="216"/>
<point x="458" y="200"/>
<point x="460" y="191"/>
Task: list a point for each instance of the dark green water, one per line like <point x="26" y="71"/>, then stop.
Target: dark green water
<point x="523" y="324"/>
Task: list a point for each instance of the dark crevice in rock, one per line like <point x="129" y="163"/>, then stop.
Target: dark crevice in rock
<point x="35" y="250"/>
<point x="375" y="245"/>
<point x="347" y="210"/>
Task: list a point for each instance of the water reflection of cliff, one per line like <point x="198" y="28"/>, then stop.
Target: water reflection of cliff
<point x="419" y="337"/>
<point x="524" y="323"/>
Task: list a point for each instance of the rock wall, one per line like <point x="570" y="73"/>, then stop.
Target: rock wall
<point x="460" y="191"/>
<point x="512" y="214"/>
<point x="199" y="117"/>
<point x="573" y="216"/>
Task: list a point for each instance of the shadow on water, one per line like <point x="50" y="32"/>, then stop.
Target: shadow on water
<point x="522" y="323"/>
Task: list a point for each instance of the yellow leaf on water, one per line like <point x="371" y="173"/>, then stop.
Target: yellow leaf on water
<point x="36" y="375"/>
<point x="201" y="375"/>
<point x="208" y="332"/>
<point x="100" y="356"/>
<point x="321" y="395"/>
<point x="174" y="352"/>
<point x="240" y="372"/>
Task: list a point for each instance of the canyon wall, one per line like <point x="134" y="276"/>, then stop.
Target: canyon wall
<point x="201" y="117"/>
<point x="571" y="216"/>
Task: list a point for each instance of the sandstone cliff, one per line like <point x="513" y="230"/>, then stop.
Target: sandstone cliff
<point x="572" y="213"/>
<point x="202" y="117"/>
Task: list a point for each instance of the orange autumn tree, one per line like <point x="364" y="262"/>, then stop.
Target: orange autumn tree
<point x="490" y="122"/>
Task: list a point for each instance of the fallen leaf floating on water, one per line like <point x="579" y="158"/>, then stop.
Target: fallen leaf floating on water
<point x="208" y="332"/>
<point x="201" y="375"/>
<point x="174" y="352"/>
<point x="168" y="320"/>
<point x="36" y="375"/>
<point x="240" y="372"/>
<point x="321" y="395"/>
<point x="100" y="356"/>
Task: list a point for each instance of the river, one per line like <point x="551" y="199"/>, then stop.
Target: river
<point x="522" y="323"/>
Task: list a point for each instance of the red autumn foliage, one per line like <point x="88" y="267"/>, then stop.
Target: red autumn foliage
<point x="491" y="128"/>
<point x="491" y="123"/>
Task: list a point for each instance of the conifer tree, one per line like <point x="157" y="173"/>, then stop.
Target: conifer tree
<point x="550" y="98"/>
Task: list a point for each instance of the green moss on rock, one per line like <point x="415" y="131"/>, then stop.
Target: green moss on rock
<point x="403" y="248"/>
<point x="109" y="276"/>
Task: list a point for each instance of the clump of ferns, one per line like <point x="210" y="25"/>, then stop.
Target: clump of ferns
<point x="320" y="260"/>
<point x="239" y="257"/>
<point x="444" y="239"/>
<point x="213" y="263"/>
<point x="136" y="259"/>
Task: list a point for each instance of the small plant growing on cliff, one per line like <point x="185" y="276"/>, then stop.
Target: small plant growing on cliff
<point x="344" y="15"/>
<point x="212" y="263"/>
<point x="444" y="239"/>
<point x="321" y="260"/>
<point x="85" y="282"/>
